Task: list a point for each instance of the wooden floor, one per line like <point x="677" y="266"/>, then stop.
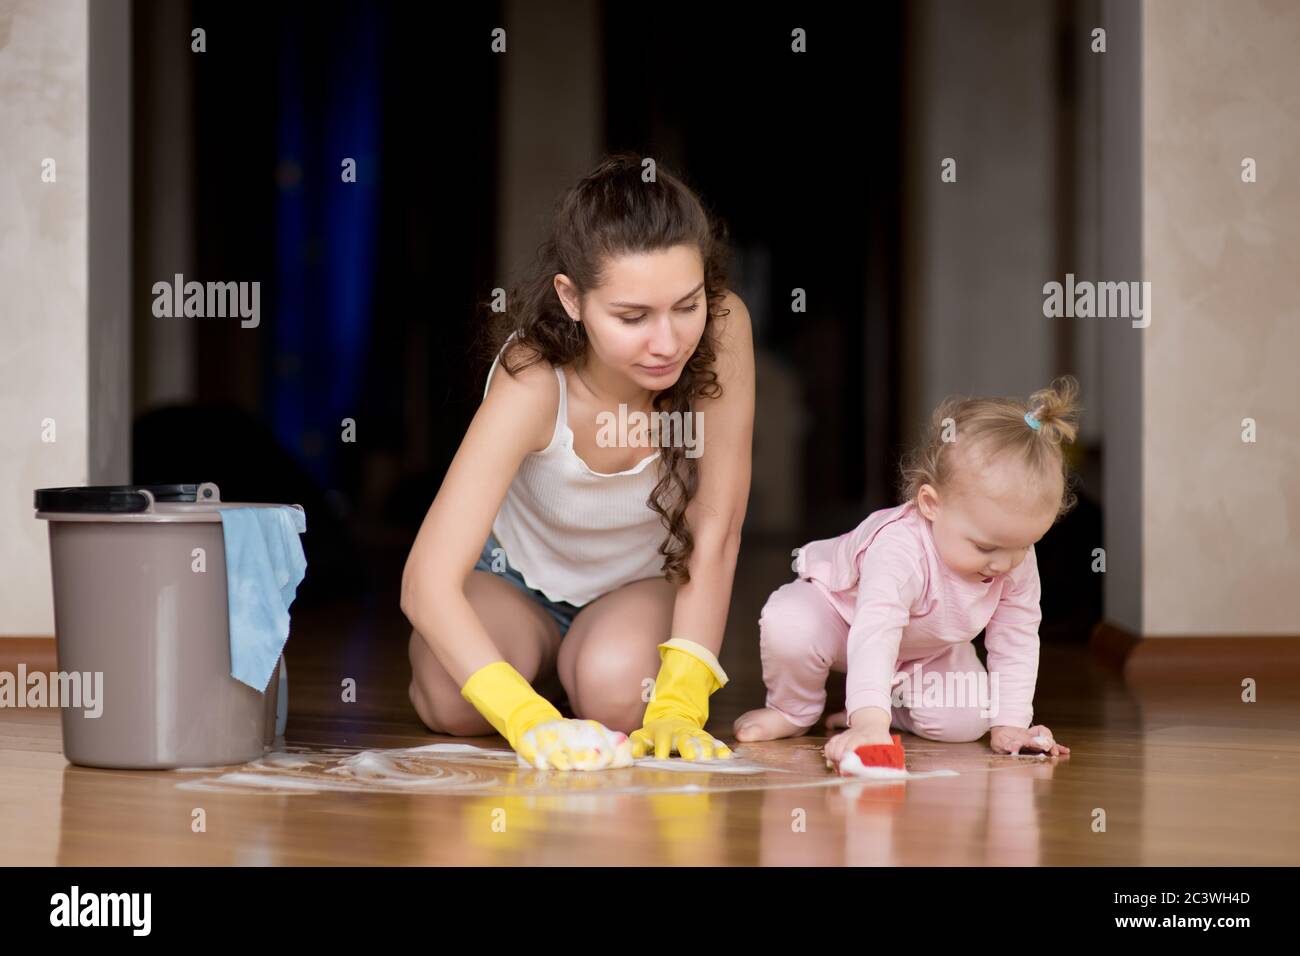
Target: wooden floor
<point x="1181" y="775"/>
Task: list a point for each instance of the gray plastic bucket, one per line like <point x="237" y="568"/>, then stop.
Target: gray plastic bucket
<point x="128" y="603"/>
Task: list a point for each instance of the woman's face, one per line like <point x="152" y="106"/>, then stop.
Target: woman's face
<point x="647" y="317"/>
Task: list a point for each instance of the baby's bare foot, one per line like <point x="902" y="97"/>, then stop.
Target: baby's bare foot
<point x="765" y="724"/>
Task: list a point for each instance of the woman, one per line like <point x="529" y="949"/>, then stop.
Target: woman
<point x="600" y="561"/>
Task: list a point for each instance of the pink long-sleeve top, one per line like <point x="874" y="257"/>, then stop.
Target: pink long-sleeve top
<point x="909" y="606"/>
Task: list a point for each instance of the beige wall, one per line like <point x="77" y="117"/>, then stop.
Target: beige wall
<point x="64" y="274"/>
<point x="43" y="275"/>
<point x="1221" y="522"/>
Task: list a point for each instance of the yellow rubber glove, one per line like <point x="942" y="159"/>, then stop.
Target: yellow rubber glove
<point x="675" y="717"/>
<point x="534" y="728"/>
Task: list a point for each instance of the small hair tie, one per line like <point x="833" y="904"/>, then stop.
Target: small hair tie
<point x="1031" y="421"/>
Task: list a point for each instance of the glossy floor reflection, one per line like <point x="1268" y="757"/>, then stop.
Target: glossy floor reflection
<point x="1199" y="792"/>
<point x="1174" y="775"/>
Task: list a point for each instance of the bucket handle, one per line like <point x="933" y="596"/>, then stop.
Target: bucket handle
<point x="206" y="492"/>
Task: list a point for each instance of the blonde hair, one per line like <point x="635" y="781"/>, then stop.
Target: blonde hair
<point x="998" y="428"/>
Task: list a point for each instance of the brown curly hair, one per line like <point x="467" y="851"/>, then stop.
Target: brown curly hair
<point x="612" y="212"/>
<point x="997" y="427"/>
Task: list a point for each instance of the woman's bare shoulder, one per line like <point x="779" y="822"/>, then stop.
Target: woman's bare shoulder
<point x="733" y="335"/>
<point x="530" y="397"/>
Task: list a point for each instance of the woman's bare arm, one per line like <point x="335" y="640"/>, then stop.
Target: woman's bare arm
<point x="717" y="511"/>
<point x="517" y="417"/>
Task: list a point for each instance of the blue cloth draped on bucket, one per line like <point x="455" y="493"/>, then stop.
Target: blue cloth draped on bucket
<point x="264" y="566"/>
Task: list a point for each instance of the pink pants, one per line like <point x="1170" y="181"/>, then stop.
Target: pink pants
<point x="803" y="635"/>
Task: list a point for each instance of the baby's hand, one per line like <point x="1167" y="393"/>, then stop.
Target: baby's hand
<point x="842" y="744"/>
<point x="1011" y="740"/>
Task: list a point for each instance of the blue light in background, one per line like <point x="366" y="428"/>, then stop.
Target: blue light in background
<point x="287" y="400"/>
<point x="325" y="241"/>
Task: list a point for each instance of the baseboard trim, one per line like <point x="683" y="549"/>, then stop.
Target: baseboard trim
<point x="1197" y="658"/>
<point x="1111" y="646"/>
<point x="38" y="653"/>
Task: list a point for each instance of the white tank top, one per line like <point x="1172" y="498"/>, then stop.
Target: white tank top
<point x="574" y="533"/>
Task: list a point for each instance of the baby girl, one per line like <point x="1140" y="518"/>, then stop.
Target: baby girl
<point x="896" y="603"/>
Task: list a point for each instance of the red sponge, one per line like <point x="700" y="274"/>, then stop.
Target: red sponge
<point x="889" y="756"/>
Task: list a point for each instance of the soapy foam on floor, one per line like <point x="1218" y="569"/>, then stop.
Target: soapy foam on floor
<point x="463" y="769"/>
<point x="893" y="773"/>
<point x="852" y="766"/>
<point x="676" y="764"/>
<point x="466" y="770"/>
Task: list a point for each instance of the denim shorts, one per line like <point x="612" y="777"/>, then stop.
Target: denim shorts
<point x="561" y="611"/>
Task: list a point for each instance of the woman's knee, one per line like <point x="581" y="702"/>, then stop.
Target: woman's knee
<point x="613" y="685"/>
<point x="616" y="715"/>
<point x="444" y="716"/>
<point x="436" y="697"/>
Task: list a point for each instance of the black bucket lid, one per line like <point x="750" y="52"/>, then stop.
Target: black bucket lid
<point x="111" y="499"/>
